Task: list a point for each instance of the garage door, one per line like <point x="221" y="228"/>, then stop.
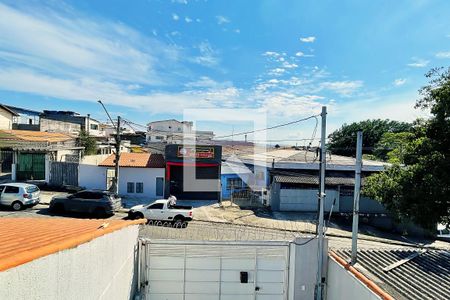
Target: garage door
<point x="306" y="200"/>
<point x="210" y="270"/>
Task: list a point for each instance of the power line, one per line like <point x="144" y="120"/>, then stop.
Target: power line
<point x="268" y="128"/>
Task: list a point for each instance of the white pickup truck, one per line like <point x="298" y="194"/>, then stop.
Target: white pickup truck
<point x="161" y="210"/>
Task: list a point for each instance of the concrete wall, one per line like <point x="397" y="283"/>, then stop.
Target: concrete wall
<point x="50" y="125"/>
<point x="341" y="284"/>
<point x="104" y="268"/>
<point x="303" y="268"/>
<point x="5" y="119"/>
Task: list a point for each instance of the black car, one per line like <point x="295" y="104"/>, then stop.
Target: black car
<point x="99" y="203"/>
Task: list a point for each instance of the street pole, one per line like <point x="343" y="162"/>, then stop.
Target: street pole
<point x="356" y="195"/>
<point x="117" y="156"/>
<point x="319" y="284"/>
<point x="116" y="161"/>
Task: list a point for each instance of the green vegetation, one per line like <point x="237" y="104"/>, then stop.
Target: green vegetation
<point x="88" y="142"/>
<point x="419" y="190"/>
<point x="343" y="140"/>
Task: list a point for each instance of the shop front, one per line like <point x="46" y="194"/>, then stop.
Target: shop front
<point x="193" y="172"/>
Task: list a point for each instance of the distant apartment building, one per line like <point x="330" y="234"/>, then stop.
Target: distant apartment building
<point x="70" y="122"/>
<point x="174" y="132"/>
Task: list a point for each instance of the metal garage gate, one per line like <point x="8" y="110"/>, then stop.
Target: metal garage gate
<point x="175" y="270"/>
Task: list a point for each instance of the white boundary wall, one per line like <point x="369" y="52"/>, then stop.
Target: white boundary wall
<point x="103" y="268"/>
<point x="341" y="284"/>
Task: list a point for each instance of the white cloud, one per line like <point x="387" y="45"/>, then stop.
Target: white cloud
<point x="299" y="53"/>
<point x="70" y="45"/>
<point x="187" y="20"/>
<point x="399" y="81"/>
<point x="443" y="54"/>
<point x="289" y="65"/>
<point x="206" y="82"/>
<point x="271" y="53"/>
<point x="175" y="17"/>
<point x="290" y="105"/>
<point x="222" y="20"/>
<point x="208" y="56"/>
<point x="237" y="30"/>
<point x="276" y="71"/>
<point x="175" y="33"/>
<point x="198" y="20"/>
<point x="343" y="88"/>
<point x="418" y="62"/>
<point x="309" y="39"/>
<point x="180" y="1"/>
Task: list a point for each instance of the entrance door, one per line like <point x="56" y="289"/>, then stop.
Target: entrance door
<point x="211" y="270"/>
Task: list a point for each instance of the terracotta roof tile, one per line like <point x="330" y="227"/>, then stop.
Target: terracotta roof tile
<point x="34" y="136"/>
<point x="136" y="160"/>
<point x="25" y="239"/>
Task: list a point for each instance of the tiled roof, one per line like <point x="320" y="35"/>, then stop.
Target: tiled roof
<point x="25" y="239"/>
<point x="314" y="180"/>
<point x="34" y="136"/>
<point x="406" y="274"/>
<point x="136" y="160"/>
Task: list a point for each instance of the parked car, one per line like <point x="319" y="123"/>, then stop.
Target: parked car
<point x="161" y="210"/>
<point x="19" y="195"/>
<point x="97" y="202"/>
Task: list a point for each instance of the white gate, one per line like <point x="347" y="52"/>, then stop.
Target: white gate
<point x="187" y="270"/>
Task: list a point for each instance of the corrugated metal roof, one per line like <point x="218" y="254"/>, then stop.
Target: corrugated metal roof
<point x="136" y="160"/>
<point x="25" y="239"/>
<point x="424" y="276"/>
<point x="313" y="180"/>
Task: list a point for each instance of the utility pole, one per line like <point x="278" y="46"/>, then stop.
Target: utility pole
<point x="356" y="195"/>
<point x="117" y="155"/>
<point x="319" y="284"/>
<point x="116" y="161"/>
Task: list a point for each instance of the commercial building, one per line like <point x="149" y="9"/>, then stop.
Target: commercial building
<point x="193" y="172"/>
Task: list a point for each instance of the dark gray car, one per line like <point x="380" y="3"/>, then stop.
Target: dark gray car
<point x="99" y="203"/>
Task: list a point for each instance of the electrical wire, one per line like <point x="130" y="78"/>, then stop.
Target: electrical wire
<point x="267" y="128"/>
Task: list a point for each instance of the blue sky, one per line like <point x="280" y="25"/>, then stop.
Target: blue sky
<point x="149" y="60"/>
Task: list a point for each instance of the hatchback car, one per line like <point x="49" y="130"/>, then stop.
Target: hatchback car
<point x="97" y="202"/>
<point x="19" y="195"/>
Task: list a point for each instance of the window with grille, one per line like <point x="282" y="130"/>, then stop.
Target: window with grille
<point x="130" y="187"/>
<point x="139" y="187"/>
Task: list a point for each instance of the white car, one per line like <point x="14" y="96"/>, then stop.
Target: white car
<point x="162" y="210"/>
<point x="19" y="195"/>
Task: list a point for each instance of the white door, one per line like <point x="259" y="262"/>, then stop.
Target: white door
<point x="209" y="270"/>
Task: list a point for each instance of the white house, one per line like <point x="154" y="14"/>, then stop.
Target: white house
<point x="141" y="175"/>
<point x="173" y="132"/>
<point x="6" y="117"/>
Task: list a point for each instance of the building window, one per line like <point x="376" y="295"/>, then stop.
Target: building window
<point x="234" y="183"/>
<point x="139" y="187"/>
<point x="158" y="137"/>
<point x="130" y="187"/>
<point x="94" y="126"/>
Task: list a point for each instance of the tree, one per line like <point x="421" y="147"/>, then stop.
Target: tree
<point x="392" y="146"/>
<point x="419" y="191"/>
<point x="343" y="140"/>
<point x="88" y="142"/>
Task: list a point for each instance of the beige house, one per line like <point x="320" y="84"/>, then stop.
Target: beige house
<point x="6" y="117"/>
